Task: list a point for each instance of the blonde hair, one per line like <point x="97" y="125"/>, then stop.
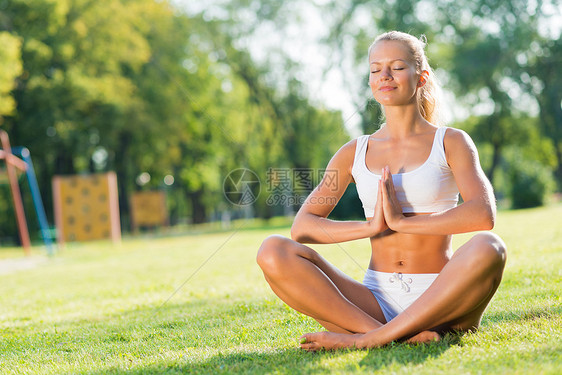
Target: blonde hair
<point x="428" y="94"/>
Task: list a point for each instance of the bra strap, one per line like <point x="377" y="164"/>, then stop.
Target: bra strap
<point x="360" y="150"/>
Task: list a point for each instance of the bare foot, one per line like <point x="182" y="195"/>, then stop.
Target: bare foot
<point x="424" y="337"/>
<point x="328" y="340"/>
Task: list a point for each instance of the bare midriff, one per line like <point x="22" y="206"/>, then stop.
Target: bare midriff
<point x="410" y="253"/>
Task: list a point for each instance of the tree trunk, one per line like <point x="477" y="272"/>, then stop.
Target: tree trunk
<point x="121" y="163"/>
<point x="496" y="154"/>
<point x="558" y="170"/>
<point x="198" y="214"/>
<point x="64" y="163"/>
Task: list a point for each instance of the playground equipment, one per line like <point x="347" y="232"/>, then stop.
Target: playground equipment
<point x="46" y="233"/>
<point x="13" y="163"/>
<point x="148" y="209"/>
<point x="86" y="207"/>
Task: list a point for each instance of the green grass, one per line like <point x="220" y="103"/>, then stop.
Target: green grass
<point x="199" y="304"/>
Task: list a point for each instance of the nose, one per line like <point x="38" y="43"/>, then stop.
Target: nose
<point x="385" y="74"/>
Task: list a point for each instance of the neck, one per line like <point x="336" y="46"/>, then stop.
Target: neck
<point x="402" y="121"/>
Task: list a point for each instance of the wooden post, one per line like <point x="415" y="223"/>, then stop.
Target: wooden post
<point x="13" y="162"/>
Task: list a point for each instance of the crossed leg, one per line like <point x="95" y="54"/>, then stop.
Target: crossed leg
<point x="309" y="284"/>
<point x="455" y="301"/>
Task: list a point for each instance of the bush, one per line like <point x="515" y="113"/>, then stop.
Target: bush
<point x="349" y="207"/>
<point x="531" y="183"/>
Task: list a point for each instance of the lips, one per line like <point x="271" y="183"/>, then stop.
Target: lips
<point x="387" y="88"/>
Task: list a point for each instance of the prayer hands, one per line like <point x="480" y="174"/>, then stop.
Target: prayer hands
<point x="388" y="212"/>
<point x="377" y="222"/>
<point x="391" y="209"/>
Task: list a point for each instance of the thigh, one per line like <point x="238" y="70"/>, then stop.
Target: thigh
<point x="353" y="290"/>
<point x="486" y="253"/>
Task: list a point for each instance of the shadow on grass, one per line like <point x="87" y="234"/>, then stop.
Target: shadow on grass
<point x="283" y="361"/>
<point x="295" y="361"/>
<point x="522" y="315"/>
<point x="205" y="336"/>
<point x="408" y="354"/>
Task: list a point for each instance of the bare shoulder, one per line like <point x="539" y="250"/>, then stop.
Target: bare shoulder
<point x="457" y="137"/>
<point x="348" y="149"/>
<point x="458" y="144"/>
<point x="344" y="157"/>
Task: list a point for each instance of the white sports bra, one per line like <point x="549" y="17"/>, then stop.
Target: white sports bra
<point x="429" y="188"/>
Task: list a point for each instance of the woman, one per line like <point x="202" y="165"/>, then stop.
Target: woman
<point x="408" y="176"/>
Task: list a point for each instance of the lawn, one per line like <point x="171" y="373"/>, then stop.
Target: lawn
<point x="198" y="304"/>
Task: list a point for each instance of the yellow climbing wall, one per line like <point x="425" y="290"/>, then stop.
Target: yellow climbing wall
<point x="148" y="208"/>
<point x="86" y="207"/>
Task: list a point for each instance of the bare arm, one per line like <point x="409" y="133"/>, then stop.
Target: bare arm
<point x="311" y="224"/>
<point x="478" y="211"/>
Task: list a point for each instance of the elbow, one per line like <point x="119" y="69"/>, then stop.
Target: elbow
<point x="300" y="232"/>
<point x="297" y="234"/>
<point x="489" y="223"/>
<point x="482" y="215"/>
<point x="488" y="219"/>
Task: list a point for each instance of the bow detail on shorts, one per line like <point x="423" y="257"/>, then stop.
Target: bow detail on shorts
<point x="398" y="277"/>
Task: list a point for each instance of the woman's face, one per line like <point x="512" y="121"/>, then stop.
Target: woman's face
<point x="393" y="78"/>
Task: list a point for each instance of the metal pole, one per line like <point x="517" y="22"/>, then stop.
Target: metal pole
<point x="36" y="195"/>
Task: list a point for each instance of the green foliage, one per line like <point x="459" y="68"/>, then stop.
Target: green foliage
<point x="139" y="87"/>
<point x="349" y="206"/>
<point x="527" y="160"/>
<point x="10" y="68"/>
<point x="531" y="183"/>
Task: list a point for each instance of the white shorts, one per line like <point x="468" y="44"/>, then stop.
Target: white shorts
<point x="395" y="292"/>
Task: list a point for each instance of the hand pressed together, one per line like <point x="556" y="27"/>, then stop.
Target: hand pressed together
<point x="388" y="212"/>
<point x="377" y="222"/>
<point x="391" y="208"/>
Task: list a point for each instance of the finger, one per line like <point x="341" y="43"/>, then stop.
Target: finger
<point x="383" y="188"/>
<point x="378" y="205"/>
<point x="389" y="185"/>
<point x="385" y="182"/>
<point x="388" y="178"/>
<point x="390" y="205"/>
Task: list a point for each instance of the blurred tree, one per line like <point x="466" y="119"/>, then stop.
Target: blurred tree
<point x="289" y="132"/>
<point x="141" y="88"/>
<point x="72" y="97"/>
<point x="172" y="128"/>
<point x="485" y="65"/>
<point x="10" y="68"/>
<point x="92" y="96"/>
<point x="541" y="75"/>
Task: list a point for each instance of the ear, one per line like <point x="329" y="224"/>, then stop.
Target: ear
<point x="423" y="78"/>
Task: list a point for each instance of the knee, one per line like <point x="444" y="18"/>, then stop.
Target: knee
<point x="490" y="250"/>
<point x="271" y="252"/>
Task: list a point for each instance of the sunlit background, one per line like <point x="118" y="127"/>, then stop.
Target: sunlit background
<point x="173" y="96"/>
